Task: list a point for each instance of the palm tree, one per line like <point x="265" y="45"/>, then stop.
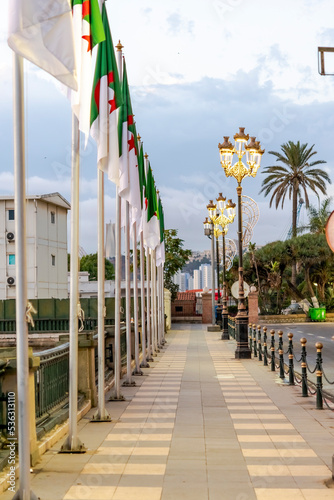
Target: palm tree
<point x="294" y="178"/>
<point x="317" y="218"/>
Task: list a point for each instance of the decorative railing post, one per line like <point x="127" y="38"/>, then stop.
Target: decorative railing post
<point x="319" y="347"/>
<point x="272" y="349"/>
<point x="303" y="342"/>
<point x="265" y="351"/>
<point x="254" y="342"/>
<point x="291" y="368"/>
<point x="281" y="355"/>
<point x="250" y="336"/>
<point x="259" y="342"/>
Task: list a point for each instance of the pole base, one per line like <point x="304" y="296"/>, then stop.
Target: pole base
<point x="129" y="384"/>
<point x="213" y="328"/>
<point x="116" y="398"/>
<point x="137" y="372"/>
<point x="19" y="496"/>
<point x="73" y="446"/>
<point x="105" y="417"/>
<point x="225" y="335"/>
<point x="243" y="350"/>
<point x="144" y="365"/>
<point x="243" y="353"/>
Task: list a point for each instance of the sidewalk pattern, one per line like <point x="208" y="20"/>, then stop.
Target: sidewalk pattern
<point x="199" y="426"/>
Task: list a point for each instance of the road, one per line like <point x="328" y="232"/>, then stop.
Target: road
<point x="313" y="332"/>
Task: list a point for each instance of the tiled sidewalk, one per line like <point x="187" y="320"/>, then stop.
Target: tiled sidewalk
<point x="201" y="425"/>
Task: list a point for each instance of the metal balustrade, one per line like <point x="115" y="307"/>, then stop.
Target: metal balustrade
<point x="51" y="379"/>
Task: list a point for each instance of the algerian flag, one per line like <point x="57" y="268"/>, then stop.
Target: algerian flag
<point x="106" y="98"/>
<point x="142" y="183"/>
<point x="160" y="250"/>
<point x="88" y="32"/>
<point x="151" y="226"/>
<point x="129" y="188"/>
<point x="42" y="32"/>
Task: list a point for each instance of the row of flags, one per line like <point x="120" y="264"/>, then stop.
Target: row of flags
<point x="59" y="37"/>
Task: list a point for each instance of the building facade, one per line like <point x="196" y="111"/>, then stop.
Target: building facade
<point x="46" y="237"/>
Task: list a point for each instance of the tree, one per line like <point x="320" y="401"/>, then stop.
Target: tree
<point x="175" y="258"/>
<point x="317" y="218"/>
<point x="89" y="263"/>
<point x="294" y="177"/>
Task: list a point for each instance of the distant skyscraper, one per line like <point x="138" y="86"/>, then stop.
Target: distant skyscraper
<point x="197" y="279"/>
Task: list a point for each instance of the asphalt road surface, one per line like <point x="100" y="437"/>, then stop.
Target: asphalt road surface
<point x="313" y="332"/>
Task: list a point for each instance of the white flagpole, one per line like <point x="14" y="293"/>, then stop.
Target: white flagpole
<point x="148" y="294"/>
<point x="22" y="350"/>
<point x="155" y="296"/>
<point x="117" y="361"/>
<point x="144" y="362"/>
<point x="160" y="343"/>
<point x="101" y="415"/>
<point x="163" y="304"/>
<point x="153" y="305"/>
<point x="73" y="443"/>
<point x="129" y="381"/>
<point x="137" y="370"/>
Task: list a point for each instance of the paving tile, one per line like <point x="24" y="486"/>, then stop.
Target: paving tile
<point x="200" y="425"/>
<point x="136" y="493"/>
<point x="90" y="493"/>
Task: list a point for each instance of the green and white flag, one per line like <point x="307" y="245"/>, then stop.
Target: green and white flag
<point x="151" y="226"/>
<point x="160" y="250"/>
<point x="106" y="98"/>
<point x="142" y="184"/>
<point x="42" y="32"/>
<point x="129" y="188"/>
<point x="88" y="32"/>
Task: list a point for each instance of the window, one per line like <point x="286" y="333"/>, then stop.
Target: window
<point x="53" y="260"/>
<point x="178" y="308"/>
<point x="11" y="259"/>
<point x="11" y="214"/>
<point x="53" y="217"/>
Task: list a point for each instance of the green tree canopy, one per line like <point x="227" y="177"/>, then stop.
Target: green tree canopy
<point x="89" y="263"/>
<point x="317" y="218"/>
<point x="315" y="264"/>
<point x="294" y="177"/>
<point x="175" y="258"/>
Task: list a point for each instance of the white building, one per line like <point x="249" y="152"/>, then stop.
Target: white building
<point x="46" y="256"/>
<point x="197" y="280"/>
<point x="206" y="276"/>
<point x="181" y="279"/>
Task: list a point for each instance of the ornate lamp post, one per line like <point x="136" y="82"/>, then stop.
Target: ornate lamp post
<point x="239" y="171"/>
<point x="220" y="221"/>
<point x="209" y="231"/>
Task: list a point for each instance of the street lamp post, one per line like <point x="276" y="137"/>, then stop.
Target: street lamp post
<point x="217" y="264"/>
<point x="239" y="171"/>
<point x="219" y="221"/>
<point x="209" y="231"/>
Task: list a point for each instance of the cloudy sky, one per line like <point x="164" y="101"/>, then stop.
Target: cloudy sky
<point x="198" y="70"/>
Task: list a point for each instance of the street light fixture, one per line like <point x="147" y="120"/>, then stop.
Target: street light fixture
<point x="221" y="215"/>
<point x="239" y="171"/>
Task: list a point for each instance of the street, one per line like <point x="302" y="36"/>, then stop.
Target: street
<point x="313" y="332"/>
